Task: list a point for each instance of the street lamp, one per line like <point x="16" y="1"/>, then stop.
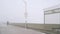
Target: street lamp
<point x="25" y="13"/>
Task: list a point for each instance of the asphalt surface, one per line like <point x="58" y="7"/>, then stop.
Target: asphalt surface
<point x="9" y="29"/>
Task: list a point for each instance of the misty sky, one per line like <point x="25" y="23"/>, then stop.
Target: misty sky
<point x="13" y="10"/>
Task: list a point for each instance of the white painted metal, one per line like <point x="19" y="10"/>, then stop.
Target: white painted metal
<point x="25" y="2"/>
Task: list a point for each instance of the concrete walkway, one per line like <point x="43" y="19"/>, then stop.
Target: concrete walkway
<point x="17" y="30"/>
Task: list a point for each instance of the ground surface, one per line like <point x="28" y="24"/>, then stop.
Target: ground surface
<point x="17" y="30"/>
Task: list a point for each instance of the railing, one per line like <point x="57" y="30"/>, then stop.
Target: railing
<point x="57" y="10"/>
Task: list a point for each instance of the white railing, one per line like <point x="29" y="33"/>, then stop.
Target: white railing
<point x="57" y="10"/>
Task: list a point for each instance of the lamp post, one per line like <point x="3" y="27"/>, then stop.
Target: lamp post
<point x="25" y="13"/>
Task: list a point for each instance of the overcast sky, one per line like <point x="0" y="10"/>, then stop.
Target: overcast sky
<point x="13" y="10"/>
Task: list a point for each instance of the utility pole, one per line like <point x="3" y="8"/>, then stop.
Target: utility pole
<point x="25" y="13"/>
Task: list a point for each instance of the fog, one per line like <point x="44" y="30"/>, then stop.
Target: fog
<point x="13" y="10"/>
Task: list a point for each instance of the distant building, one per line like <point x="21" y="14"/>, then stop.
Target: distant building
<point x="52" y="15"/>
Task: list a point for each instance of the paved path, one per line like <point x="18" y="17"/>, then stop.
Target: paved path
<point x="17" y="30"/>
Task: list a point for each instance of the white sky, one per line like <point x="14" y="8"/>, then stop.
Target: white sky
<point x="13" y="10"/>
